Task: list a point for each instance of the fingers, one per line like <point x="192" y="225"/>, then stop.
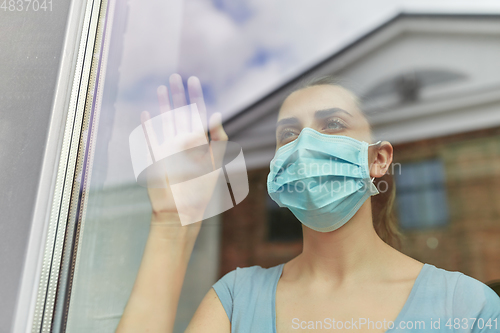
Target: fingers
<point x="182" y="118"/>
<point x="217" y="132"/>
<point x="167" y="117"/>
<point x="196" y="96"/>
<point x="177" y="89"/>
<point x="163" y="98"/>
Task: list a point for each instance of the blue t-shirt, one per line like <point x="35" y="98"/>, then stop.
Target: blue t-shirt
<point x="440" y="301"/>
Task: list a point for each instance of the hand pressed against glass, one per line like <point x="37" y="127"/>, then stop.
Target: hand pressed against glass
<point x="153" y="302"/>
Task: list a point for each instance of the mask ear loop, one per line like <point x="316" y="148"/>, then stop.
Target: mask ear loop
<point x="374" y="144"/>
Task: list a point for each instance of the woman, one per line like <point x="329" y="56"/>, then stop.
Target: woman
<point x="346" y="278"/>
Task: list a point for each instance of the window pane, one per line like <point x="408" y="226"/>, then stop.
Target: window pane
<point x="421" y="196"/>
<point x="282" y="224"/>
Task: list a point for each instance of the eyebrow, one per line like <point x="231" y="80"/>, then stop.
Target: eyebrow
<point x="320" y="114"/>
<point x="288" y="122"/>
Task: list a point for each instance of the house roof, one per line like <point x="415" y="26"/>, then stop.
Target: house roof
<point x="251" y="113"/>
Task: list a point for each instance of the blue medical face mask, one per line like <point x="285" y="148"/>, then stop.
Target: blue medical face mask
<point x="323" y="179"/>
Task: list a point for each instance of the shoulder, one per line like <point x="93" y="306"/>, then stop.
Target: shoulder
<point x="475" y="298"/>
<point x="443" y="276"/>
<point x="242" y="277"/>
<point x="244" y="283"/>
<point x="469" y="297"/>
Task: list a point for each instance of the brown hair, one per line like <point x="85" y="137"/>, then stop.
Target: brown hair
<point x="383" y="217"/>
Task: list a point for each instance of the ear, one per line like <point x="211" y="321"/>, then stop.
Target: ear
<point x="380" y="157"/>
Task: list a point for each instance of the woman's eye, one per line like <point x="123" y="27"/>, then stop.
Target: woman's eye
<point x="286" y="135"/>
<point x="335" y="124"/>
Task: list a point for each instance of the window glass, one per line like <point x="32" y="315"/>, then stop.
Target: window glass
<point x="282" y="224"/>
<point x="248" y="55"/>
<point x="421" y="195"/>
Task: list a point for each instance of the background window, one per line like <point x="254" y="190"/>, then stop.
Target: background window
<point x="421" y="195"/>
<point x="283" y="226"/>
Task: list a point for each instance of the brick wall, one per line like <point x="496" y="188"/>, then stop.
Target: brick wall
<point x="469" y="243"/>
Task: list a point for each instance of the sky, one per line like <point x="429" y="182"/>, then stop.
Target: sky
<point x="243" y="49"/>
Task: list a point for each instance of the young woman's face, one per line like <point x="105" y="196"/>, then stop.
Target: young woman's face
<point x="325" y="108"/>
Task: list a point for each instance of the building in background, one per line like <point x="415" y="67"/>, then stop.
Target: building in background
<point x="430" y="85"/>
